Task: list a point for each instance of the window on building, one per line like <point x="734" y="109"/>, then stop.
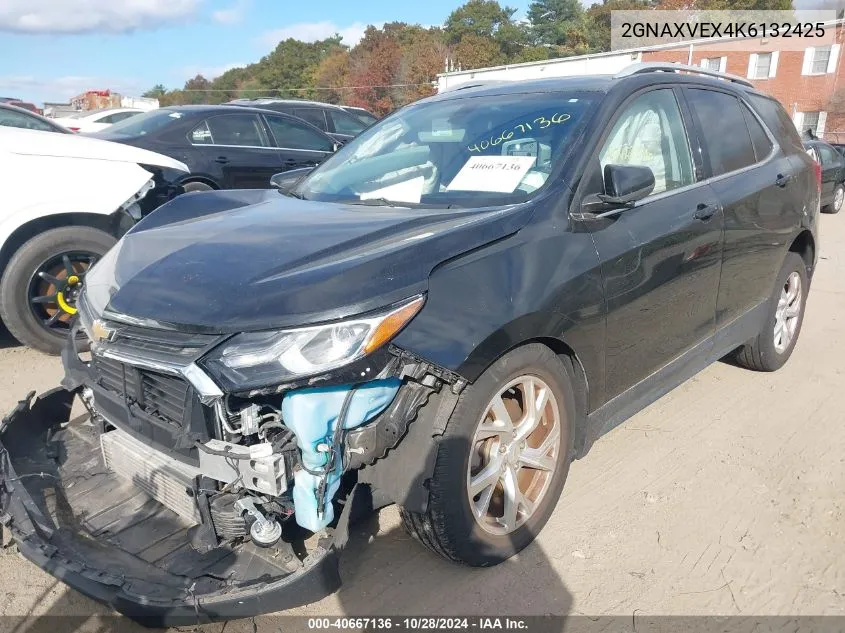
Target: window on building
<point x="712" y="63"/>
<point x="762" y="66"/>
<point x="821" y="58"/>
<point x="810" y="121"/>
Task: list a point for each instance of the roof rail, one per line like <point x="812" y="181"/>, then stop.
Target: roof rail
<point x="667" y="67"/>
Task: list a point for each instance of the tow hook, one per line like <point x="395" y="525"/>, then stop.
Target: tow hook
<point x="263" y="531"/>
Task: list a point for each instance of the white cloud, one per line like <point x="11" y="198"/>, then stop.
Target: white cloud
<point x="313" y="31"/>
<point x="233" y="14"/>
<point x="84" y="16"/>
<point x="39" y="89"/>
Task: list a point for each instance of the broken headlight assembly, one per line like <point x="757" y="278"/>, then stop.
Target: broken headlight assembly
<point x="257" y="359"/>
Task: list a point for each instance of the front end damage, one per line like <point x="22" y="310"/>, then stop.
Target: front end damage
<point x="174" y="505"/>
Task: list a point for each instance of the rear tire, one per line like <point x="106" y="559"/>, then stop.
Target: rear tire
<point x="449" y="527"/>
<point x="838" y="198"/>
<point x="772" y="347"/>
<point x="18" y="314"/>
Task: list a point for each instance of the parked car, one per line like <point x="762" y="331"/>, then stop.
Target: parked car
<point x="225" y="147"/>
<point x="65" y="201"/>
<point x="95" y="120"/>
<point x="331" y="119"/>
<point x="367" y="117"/>
<point x="24" y="105"/>
<point x="13" y="116"/>
<point x="833" y="174"/>
<point x="444" y="313"/>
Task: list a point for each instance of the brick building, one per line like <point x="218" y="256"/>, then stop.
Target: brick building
<point x="809" y="82"/>
<point x="95" y="100"/>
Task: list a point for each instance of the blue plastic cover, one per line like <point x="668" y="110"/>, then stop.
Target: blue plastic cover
<point x="312" y="415"/>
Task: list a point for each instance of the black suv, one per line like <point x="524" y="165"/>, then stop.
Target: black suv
<point x="833" y="174"/>
<point x="334" y="120"/>
<point x="441" y="315"/>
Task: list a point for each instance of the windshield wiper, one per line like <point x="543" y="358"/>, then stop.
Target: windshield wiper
<point x="375" y="202"/>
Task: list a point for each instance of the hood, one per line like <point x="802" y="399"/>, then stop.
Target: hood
<point x="234" y="261"/>
<point x="38" y="143"/>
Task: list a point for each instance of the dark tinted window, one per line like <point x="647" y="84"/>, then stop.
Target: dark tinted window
<point x="10" y="118"/>
<point x="725" y="132"/>
<point x="759" y="139"/>
<point x="314" y="116"/>
<point x="777" y="120"/>
<point x="827" y="154"/>
<point x="345" y="123"/>
<point x="293" y="135"/>
<point x="236" y="129"/>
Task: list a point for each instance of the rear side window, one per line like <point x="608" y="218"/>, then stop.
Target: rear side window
<point x="725" y="132"/>
<point x="759" y="139"/>
<point x="291" y="134"/>
<point x="777" y="120"/>
<point x="314" y="116"/>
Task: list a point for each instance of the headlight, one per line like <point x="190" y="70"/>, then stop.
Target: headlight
<point x="259" y="359"/>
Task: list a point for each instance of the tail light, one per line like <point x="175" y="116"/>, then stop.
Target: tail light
<point x="817" y="168"/>
<point x="74" y="129"/>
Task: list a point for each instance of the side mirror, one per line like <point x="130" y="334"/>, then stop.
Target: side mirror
<point x="625" y="184"/>
<point x="287" y="180"/>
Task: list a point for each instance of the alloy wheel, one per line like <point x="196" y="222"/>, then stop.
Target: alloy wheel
<point x="788" y="312"/>
<point x="838" y="197"/>
<point x="55" y="286"/>
<point x="514" y="454"/>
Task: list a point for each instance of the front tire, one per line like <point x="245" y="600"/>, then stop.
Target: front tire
<point x="772" y="347"/>
<point x="41" y="281"/>
<point x="500" y="466"/>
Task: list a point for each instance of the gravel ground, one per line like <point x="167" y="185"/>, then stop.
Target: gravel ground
<point x="723" y="498"/>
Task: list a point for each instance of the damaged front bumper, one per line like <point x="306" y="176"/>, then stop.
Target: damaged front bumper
<point x="74" y="518"/>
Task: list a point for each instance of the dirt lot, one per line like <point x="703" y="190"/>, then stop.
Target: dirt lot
<point x="725" y="497"/>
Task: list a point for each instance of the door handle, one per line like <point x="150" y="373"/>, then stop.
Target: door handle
<point x="221" y="159"/>
<point x="783" y="180"/>
<point x="704" y="212"/>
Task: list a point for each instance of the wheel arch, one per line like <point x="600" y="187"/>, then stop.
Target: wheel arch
<point x="206" y="180"/>
<point x="114" y="224"/>
<point x="804" y="245"/>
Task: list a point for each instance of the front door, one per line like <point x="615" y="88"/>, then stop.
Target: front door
<point x="832" y="163"/>
<point x="660" y="259"/>
<point x="235" y="148"/>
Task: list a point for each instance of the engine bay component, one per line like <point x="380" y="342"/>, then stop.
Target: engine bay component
<point x="263" y="531"/>
<point x="317" y="416"/>
<point x="254" y="467"/>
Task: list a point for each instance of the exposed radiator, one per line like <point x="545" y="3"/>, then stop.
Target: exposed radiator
<point x="163" y="478"/>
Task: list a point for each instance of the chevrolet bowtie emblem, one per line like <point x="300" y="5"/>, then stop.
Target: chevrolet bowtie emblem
<point x="101" y="332"/>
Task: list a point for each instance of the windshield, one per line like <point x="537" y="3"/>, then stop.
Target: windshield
<point x="463" y="152"/>
<point x="143" y="124"/>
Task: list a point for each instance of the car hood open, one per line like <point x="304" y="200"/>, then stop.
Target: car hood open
<point x="234" y="261"/>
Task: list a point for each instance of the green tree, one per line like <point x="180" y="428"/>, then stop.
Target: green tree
<point x="156" y="92"/>
<point x="557" y="23"/>
<point x="475" y="51"/>
<point x="482" y="18"/>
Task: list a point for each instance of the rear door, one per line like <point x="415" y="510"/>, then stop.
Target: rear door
<point x="315" y="116"/>
<point x="754" y="181"/>
<point x="661" y="258"/>
<point x="299" y="144"/>
<point x="832" y="163"/>
<point x="237" y="150"/>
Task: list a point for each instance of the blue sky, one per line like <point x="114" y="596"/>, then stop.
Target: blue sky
<point x="53" y="49"/>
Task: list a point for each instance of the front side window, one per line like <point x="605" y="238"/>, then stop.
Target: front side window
<point x="314" y="116"/>
<point x="650" y="133"/>
<point x="345" y="123"/>
<point x="726" y="135"/>
<point x="827" y="154"/>
<point x="465" y="151"/>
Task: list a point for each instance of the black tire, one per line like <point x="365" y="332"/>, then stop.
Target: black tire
<point x="760" y="353"/>
<point x="15" y="308"/>
<point x="448" y="527"/>
<point x="838" y="194"/>
<point x="197" y="186"/>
